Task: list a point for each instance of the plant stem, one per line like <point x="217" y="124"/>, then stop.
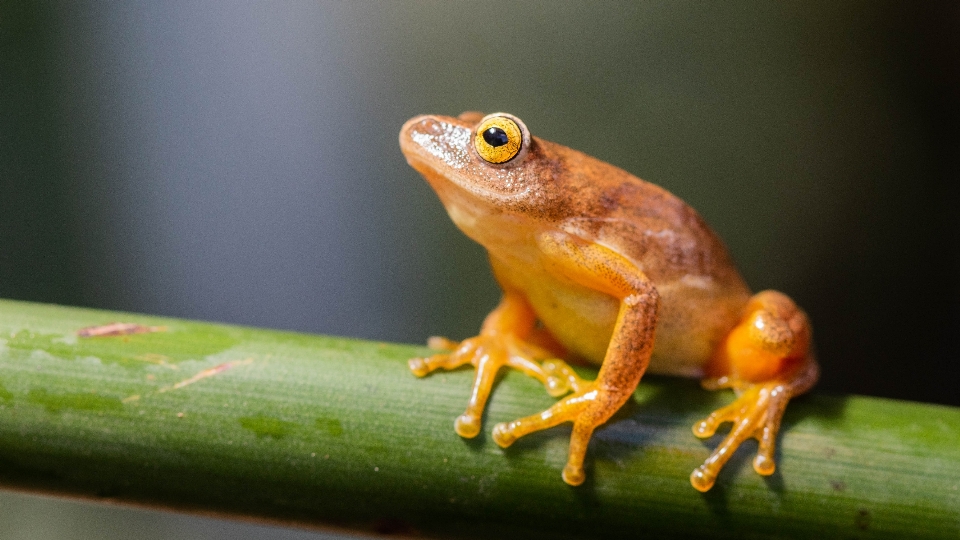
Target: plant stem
<point x="315" y="430"/>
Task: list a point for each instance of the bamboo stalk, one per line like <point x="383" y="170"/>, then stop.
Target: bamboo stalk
<point x="315" y="430"/>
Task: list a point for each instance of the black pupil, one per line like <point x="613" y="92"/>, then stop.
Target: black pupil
<point x="495" y="137"/>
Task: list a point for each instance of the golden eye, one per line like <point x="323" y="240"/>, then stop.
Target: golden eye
<point x="498" y="139"/>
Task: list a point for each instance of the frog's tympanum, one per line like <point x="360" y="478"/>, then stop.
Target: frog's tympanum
<point x="597" y="264"/>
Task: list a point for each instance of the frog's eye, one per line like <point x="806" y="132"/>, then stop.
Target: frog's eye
<point x="499" y="138"/>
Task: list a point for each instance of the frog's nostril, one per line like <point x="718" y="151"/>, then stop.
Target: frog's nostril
<point x="431" y="126"/>
<point x="421" y="128"/>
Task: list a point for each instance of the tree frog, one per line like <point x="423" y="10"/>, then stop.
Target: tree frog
<point x="599" y="265"/>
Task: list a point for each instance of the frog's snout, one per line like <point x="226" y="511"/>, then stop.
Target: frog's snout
<point x="415" y="130"/>
<point x="436" y="140"/>
<point x="417" y="123"/>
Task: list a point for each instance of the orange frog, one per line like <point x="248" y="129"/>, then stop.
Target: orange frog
<point x="598" y="264"/>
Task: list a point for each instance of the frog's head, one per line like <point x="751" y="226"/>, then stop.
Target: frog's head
<point x="484" y="165"/>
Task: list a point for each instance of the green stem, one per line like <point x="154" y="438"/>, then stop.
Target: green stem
<point x="316" y="430"/>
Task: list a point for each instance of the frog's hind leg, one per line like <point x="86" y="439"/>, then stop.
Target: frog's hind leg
<point x="767" y="359"/>
<point x="502" y="342"/>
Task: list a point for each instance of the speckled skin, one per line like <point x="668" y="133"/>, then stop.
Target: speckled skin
<point x="617" y="270"/>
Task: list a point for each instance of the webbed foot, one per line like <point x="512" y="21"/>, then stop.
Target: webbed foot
<point x="488" y="353"/>
<point x="588" y="407"/>
<point x="756" y="413"/>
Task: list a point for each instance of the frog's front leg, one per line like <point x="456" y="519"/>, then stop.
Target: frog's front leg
<point x="502" y="342"/>
<point x="767" y="360"/>
<point x="628" y="352"/>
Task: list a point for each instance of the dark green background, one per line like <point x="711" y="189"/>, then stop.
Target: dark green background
<point x="239" y="163"/>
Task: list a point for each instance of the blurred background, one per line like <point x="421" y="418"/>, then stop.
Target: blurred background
<point x="238" y="162"/>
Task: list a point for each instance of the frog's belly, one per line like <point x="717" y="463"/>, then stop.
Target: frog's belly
<point x="695" y="314"/>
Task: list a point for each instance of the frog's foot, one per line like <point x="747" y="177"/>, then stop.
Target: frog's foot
<point x="756" y="413"/>
<point x="488" y="353"/>
<point x="556" y="375"/>
<point x="587" y="408"/>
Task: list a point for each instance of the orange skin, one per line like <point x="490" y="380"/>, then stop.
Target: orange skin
<point x="598" y="264"/>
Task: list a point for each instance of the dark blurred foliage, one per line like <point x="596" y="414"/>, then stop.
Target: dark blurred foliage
<point x="887" y="306"/>
<point x="37" y="244"/>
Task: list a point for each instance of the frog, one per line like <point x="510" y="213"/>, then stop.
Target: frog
<point x="598" y="266"/>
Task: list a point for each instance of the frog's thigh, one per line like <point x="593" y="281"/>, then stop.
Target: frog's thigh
<point x="628" y="353"/>
<point x="770" y="342"/>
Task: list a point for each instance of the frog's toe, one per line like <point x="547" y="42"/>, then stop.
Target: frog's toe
<point x="503" y="434"/>
<point x="764" y="464"/>
<point x="440" y="343"/>
<point x="464" y="354"/>
<point x="467" y="426"/>
<point x="423" y="366"/>
<point x="702" y="479"/>
<point x="573" y="475"/>
<point x="708" y="426"/>
<point x="418" y="366"/>
<point x="556" y="386"/>
<point x="561" y="378"/>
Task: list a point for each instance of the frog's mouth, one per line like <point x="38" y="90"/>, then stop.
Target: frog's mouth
<point x="441" y="149"/>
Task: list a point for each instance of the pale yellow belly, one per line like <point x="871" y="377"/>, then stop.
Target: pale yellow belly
<point x="695" y="314"/>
